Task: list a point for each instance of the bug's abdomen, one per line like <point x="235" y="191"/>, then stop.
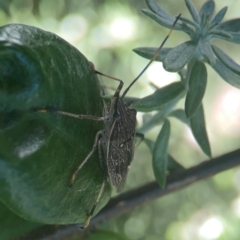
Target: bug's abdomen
<point x="121" y="147"/>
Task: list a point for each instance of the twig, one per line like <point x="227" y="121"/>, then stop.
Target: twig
<point x="131" y="199"/>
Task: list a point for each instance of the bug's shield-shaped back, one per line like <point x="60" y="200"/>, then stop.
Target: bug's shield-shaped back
<point x="121" y="145"/>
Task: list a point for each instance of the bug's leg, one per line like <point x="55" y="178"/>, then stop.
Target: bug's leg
<point x="79" y="116"/>
<point x="102" y="186"/>
<point x="141" y="136"/>
<point x="86" y="159"/>
<point x="116" y="94"/>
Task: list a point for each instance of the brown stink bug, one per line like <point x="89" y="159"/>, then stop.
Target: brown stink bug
<point x="115" y="143"/>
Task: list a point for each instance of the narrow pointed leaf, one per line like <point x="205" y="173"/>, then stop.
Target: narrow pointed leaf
<point x="204" y="20"/>
<point x="159" y="117"/>
<point x="190" y="22"/>
<point x="215" y="33"/>
<point x="179" y="56"/>
<point x="103" y="235"/>
<point x="207" y="8"/>
<point x="206" y="51"/>
<point x="235" y="38"/>
<point x="228" y="75"/>
<point x="219" y="16"/>
<point x="173" y="165"/>
<point x="197" y="86"/>
<point x="40" y="151"/>
<point x="160" y="97"/>
<point x="192" y="11"/>
<point x="160" y="156"/>
<point x="226" y="60"/>
<point x="230" y="26"/>
<point x="148" y="53"/>
<point x="180" y="115"/>
<point x="167" y="23"/>
<point x="159" y="11"/>
<point x="199" y="131"/>
<point x="150" y="144"/>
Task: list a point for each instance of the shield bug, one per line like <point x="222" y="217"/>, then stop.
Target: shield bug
<point x="115" y="143"/>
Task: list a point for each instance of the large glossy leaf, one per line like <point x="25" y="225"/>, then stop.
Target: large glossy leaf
<point x="196" y="88"/>
<point x="160" y="97"/>
<point x="12" y="225"/>
<point x="40" y="151"/>
<point x="179" y="56"/>
<point x="199" y="131"/>
<point x="160" y="156"/>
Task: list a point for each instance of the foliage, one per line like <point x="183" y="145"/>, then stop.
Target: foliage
<point x="189" y="59"/>
<point x="39" y="152"/>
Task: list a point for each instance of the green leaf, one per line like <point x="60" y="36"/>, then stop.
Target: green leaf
<point x="159" y="98"/>
<point x="160" y="156"/>
<point x="148" y="53"/>
<point x="40" y="151"/>
<point x="219" y="16"/>
<point x="226" y="60"/>
<point x="199" y="131"/>
<point x="215" y="33"/>
<point x="167" y="23"/>
<point x="186" y="72"/>
<point x="197" y="86"/>
<point x="180" y="115"/>
<point x="150" y="144"/>
<point x="229" y="76"/>
<point x="159" y="11"/>
<point x="173" y="165"/>
<point x="179" y="56"/>
<point x="158" y="117"/>
<point x="230" y="26"/>
<point x="11" y="225"/>
<point x="207" y="8"/>
<point x="206" y="51"/>
<point x="5" y="6"/>
<point x="192" y="11"/>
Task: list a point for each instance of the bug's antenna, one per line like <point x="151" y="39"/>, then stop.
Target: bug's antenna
<point x="153" y="58"/>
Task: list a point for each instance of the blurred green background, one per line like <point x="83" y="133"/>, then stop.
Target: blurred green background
<point x="106" y="31"/>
